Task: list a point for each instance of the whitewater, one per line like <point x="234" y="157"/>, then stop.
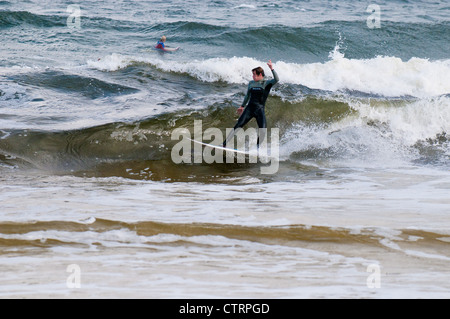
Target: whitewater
<point x="384" y="76"/>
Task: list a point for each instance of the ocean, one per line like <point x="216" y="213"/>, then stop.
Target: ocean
<point x="93" y="204"/>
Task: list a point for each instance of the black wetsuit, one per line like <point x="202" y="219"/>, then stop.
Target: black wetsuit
<point x="256" y="97"/>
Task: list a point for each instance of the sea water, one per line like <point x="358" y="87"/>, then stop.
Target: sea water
<point x="92" y="204"/>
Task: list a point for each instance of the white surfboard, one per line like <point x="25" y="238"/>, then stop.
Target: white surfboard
<point x="167" y="49"/>
<point x="251" y="153"/>
<point x="224" y="148"/>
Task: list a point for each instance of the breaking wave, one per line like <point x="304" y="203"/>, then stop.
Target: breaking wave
<point x="384" y="76"/>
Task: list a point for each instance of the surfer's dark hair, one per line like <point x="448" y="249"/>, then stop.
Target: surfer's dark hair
<point x="259" y="70"/>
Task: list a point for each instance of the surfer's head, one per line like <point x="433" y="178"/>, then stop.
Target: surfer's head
<point x="163" y="38"/>
<point x="258" y="73"/>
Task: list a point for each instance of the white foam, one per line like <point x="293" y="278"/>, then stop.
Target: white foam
<point x="379" y="133"/>
<point x="415" y="121"/>
<point x="245" y="6"/>
<point x="111" y="62"/>
<point x="386" y="76"/>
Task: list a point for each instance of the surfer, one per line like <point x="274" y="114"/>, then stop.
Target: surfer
<point x="255" y="100"/>
<point x="160" y="45"/>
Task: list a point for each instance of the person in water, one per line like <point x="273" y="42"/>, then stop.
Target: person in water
<point x="255" y="100"/>
<point x="160" y="44"/>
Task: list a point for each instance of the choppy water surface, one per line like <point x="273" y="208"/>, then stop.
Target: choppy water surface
<point x="87" y="176"/>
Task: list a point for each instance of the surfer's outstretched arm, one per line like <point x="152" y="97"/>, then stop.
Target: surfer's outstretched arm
<point x="274" y="73"/>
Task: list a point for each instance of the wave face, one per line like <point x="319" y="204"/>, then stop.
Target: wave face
<point x="10" y="19"/>
<point x="361" y="131"/>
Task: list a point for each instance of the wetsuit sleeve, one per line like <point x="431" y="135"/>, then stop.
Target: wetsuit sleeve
<point x="247" y="96"/>
<point x="270" y="83"/>
<point x="275" y="78"/>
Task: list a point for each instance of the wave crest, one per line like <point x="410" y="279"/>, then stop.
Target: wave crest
<point x="382" y="75"/>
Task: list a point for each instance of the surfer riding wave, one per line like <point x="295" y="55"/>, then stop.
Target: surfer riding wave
<point x="254" y="102"/>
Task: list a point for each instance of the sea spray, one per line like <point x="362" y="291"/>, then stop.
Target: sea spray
<point x="378" y="131"/>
